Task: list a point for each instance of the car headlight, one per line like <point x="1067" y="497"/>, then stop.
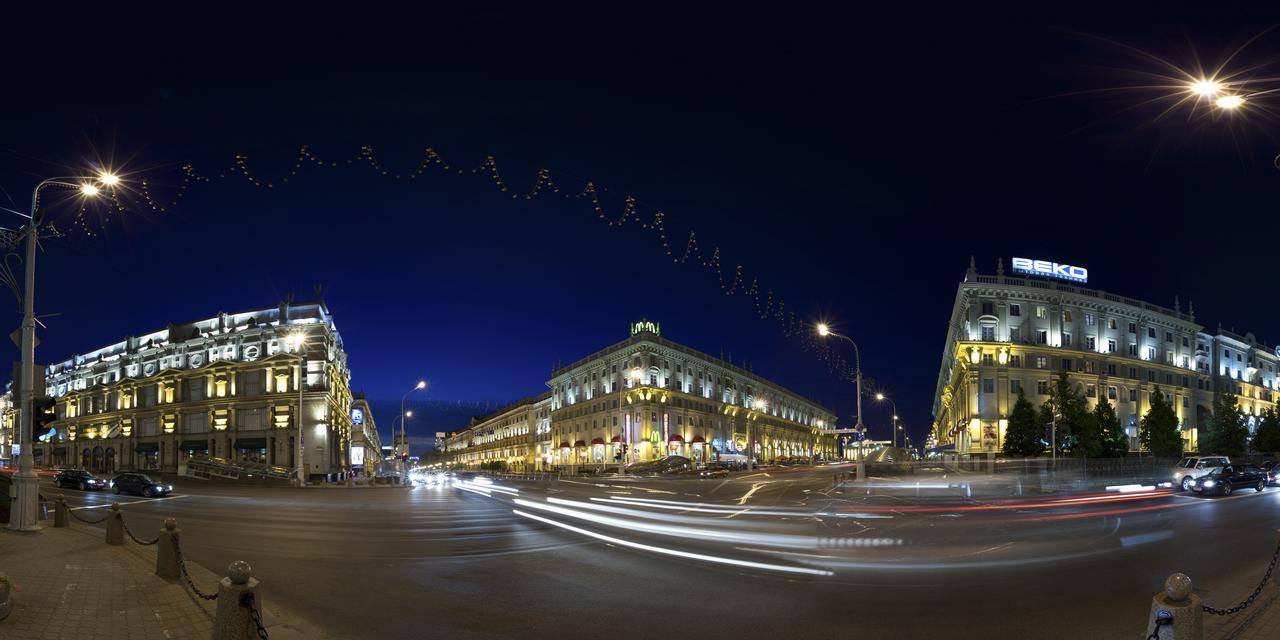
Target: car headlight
<point x="1209" y="483"/>
<point x="170" y="487"/>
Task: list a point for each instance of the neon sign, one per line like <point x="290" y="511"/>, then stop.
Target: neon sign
<point x="644" y="326"/>
<point x="1050" y="269"/>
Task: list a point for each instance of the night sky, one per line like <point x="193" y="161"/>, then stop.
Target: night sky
<point x="851" y="159"/>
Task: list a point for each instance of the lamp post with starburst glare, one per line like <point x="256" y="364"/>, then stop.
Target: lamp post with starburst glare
<point x="23" y="514"/>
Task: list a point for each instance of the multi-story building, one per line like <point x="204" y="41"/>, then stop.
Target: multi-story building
<point x="366" y="444"/>
<point x="1009" y="333"/>
<point x="644" y="398"/>
<point x="517" y="435"/>
<point x="234" y="386"/>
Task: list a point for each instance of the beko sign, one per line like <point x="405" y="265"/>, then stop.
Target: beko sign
<point x="1050" y="269"/>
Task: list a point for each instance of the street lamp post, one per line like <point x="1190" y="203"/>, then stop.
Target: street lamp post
<point x="404" y="442"/>
<point x="894" y="425"/>
<point x="24" y="512"/>
<point x="824" y="331"/>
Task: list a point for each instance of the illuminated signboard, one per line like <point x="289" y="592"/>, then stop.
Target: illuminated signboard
<point x="357" y="416"/>
<point x="357" y="456"/>
<point x="644" y="326"/>
<point x="1050" y="269"/>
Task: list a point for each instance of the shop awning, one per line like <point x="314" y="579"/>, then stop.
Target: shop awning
<point x="675" y="437"/>
<point x="147" y="447"/>
<point x="616" y="439"/>
<point x="597" y="441"/>
<point x="580" y="443"/>
<point x="698" y="440"/>
<point x="564" y="445"/>
<point x="195" y="445"/>
<point x="249" y="444"/>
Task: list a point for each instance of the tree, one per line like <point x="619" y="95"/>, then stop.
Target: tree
<point x="1267" y="438"/>
<point x="1022" y="436"/>
<point x="1043" y="417"/>
<point x="1159" y="431"/>
<point x="1225" y="433"/>
<point x="1112" y="441"/>
<point x="1076" y="432"/>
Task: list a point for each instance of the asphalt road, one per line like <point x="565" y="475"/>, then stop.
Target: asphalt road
<point x="745" y="557"/>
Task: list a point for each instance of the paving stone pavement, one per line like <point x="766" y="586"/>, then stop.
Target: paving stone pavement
<point x="1261" y="621"/>
<point x="68" y="583"/>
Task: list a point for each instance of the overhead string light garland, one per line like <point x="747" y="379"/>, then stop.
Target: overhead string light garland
<point x="768" y="304"/>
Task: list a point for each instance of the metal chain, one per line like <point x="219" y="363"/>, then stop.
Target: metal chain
<point x="182" y="566"/>
<point x="1253" y="596"/>
<point x="135" y="538"/>
<point x="98" y="521"/>
<point x="246" y="600"/>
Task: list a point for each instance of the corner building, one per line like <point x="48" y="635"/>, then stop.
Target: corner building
<point x="650" y="397"/>
<point x="226" y="386"/>
<point x="1016" y="332"/>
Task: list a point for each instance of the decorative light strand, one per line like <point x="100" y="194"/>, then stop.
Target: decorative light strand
<point x="768" y="304"/>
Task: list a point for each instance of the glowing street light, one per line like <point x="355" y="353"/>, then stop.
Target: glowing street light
<point x="23" y="514"/>
<point x="825" y="331"/>
<point x="1206" y="88"/>
<point x="895" y="428"/>
<point x="109" y="179"/>
<point x="1229" y="102"/>
<point x="404" y="441"/>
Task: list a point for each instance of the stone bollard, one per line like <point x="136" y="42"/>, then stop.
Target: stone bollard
<point x="167" y="551"/>
<point x="6" y="590"/>
<point x="1186" y="620"/>
<point x="60" y="512"/>
<point x="115" y="525"/>
<point x="231" y="620"/>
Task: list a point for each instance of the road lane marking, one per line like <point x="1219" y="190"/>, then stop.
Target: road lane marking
<point x="147" y="501"/>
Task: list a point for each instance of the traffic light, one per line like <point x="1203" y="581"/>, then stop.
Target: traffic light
<point x="42" y="413"/>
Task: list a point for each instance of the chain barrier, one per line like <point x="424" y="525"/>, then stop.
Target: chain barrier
<point x="246" y="600"/>
<point x="98" y="521"/>
<point x="182" y="566"/>
<point x="1253" y="596"/>
<point x="135" y="538"/>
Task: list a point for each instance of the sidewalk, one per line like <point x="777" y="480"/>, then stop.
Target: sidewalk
<point x="68" y="583"/>
<point x="1261" y="621"/>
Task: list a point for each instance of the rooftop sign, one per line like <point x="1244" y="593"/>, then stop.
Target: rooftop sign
<point x="644" y="326"/>
<point x="1050" y="269"/>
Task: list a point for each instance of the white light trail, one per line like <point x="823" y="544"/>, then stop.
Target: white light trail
<point x="675" y="552"/>
<point x="697" y="533"/>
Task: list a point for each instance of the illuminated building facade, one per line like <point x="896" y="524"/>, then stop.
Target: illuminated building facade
<point x="518" y="436"/>
<point x="226" y="387"/>
<point x="650" y="397"/>
<point x="1014" y="332"/>
<point x="366" y="444"/>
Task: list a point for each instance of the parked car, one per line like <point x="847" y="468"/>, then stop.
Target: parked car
<point x="1225" y="480"/>
<point x="80" y="479"/>
<point x="139" y="483"/>
<point x="1190" y="468"/>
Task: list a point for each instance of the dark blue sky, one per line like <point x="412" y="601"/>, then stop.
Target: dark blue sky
<point x="852" y="159"/>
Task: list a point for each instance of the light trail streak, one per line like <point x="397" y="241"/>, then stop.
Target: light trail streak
<point x="769" y="540"/>
<point x="676" y="552"/>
